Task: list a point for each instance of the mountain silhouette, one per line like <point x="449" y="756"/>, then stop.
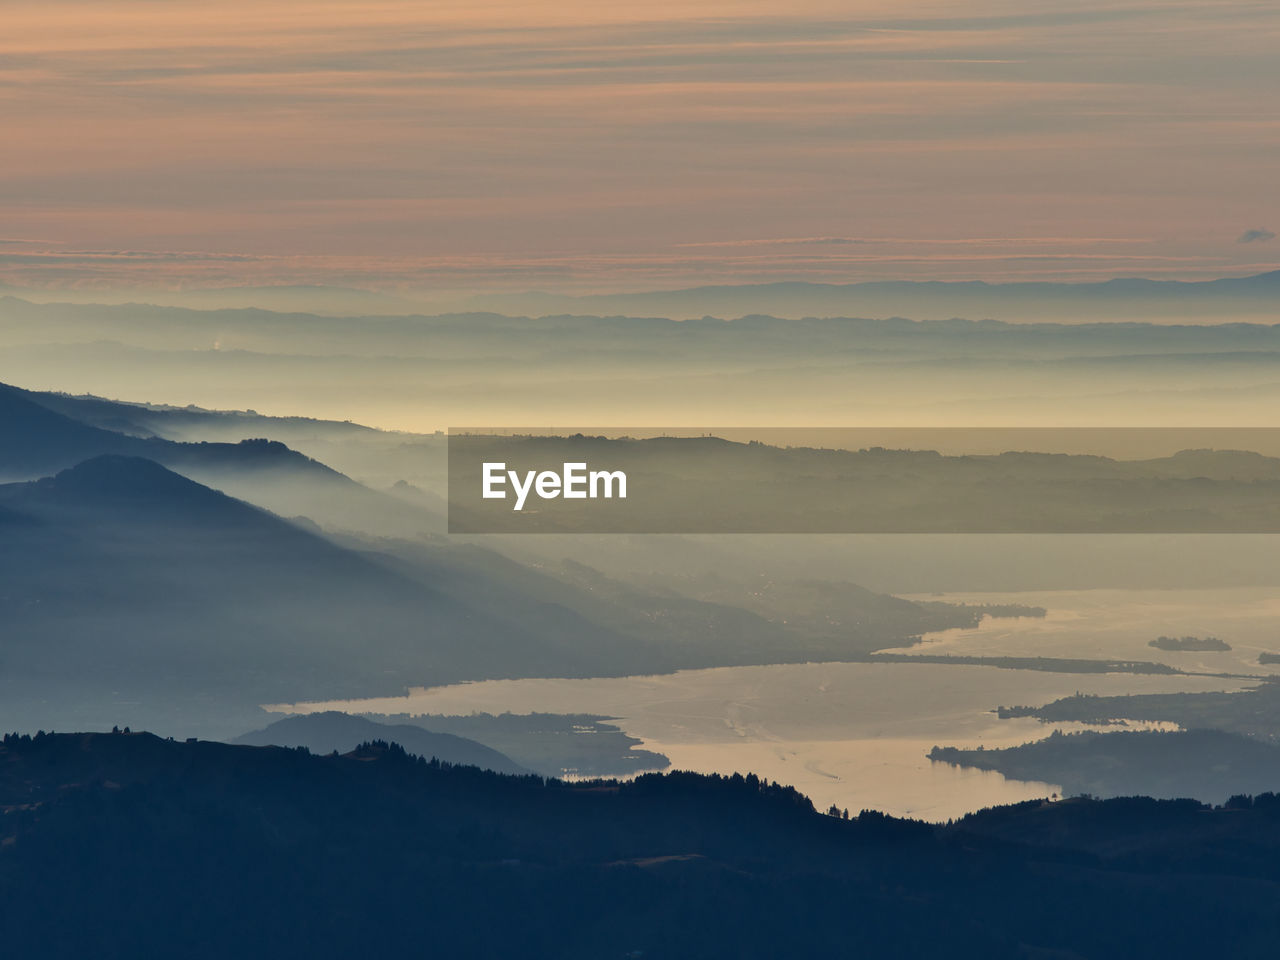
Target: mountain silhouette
<point x="40" y="434"/>
<point x="332" y="730"/>
<point x="375" y="853"/>
<point x="134" y="483"/>
<point x="35" y="440"/>
<point x="130" y="583"/>
<point x="136" y="495"/>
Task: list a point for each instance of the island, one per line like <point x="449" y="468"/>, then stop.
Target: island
<point x="1209" y="765"/>
<point x="1184" y="644"/>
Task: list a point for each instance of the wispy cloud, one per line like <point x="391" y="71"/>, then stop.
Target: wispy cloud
<point x="1255" y="236"/>
<point x="914" y="241"/>
<point x="499" y="133"/>
<point x="781" y="242"/>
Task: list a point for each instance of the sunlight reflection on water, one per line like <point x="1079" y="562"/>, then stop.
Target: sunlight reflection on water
<point x="858" y="734"/>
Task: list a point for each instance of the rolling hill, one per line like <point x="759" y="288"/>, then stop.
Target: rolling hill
<point x="332" y="731"/>
<point x="374" y="853"/>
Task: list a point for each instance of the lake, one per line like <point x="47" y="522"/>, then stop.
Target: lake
<point x="1120" y="624"/>
<point x="857" y="734"/>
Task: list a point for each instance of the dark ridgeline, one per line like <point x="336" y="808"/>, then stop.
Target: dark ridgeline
<point x="551" y="744"/>
<point x="37" y="440"/>
<point x="42" y="434"/>
<point x="332" y="730"/>
<point x="126" y="845"/>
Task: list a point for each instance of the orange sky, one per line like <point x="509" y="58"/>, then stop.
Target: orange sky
<point x="601" y="146"/>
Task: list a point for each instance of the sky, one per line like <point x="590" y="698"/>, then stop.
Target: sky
<point x="606" y="146"/>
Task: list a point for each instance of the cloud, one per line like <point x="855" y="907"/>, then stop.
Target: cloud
<point x="914" y="241"/>
<point x="800" y="132"/>
<point x="779" y="241"/>
<point x="1255" y="236"/>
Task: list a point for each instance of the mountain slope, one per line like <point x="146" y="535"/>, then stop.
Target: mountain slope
<point x="330" y="731"/>
<point x="35" y="440"/>
<point x="132" y="594"/>
<point x="125" y="583"/>
<point x="40" y="435"/>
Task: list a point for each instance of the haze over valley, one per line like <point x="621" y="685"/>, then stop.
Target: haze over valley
<point x="130" y="527"/>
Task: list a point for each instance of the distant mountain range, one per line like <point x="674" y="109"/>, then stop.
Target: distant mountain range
<point x="816" y="363"/>
<point x="1123" y="298"/>
<point x="932" y="299"/>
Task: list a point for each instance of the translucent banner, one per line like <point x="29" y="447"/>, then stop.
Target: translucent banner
<point x="864" y="480"/>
